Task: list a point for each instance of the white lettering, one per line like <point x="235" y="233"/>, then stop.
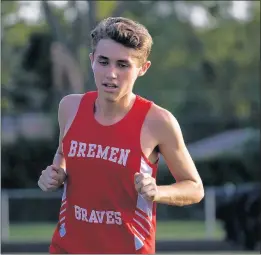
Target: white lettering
<point x="93" y="218"/>
<point x="91" y="152"/>
<point x="73" y="148"/>
<point x="118" y="219"/>
<point x="82" y="148"/>
<point x="100" y="217"/>
<point x="123" y="157"/>
<point x="102" y="154"/>
<point x="113" y="154"/>
<point x="77" y="212"/>
<point x="114" y="150"/>
<point x="110" y="219"/>
<point x="84" y="215"/>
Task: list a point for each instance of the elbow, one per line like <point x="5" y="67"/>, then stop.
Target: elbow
<point x="200" y="192"/>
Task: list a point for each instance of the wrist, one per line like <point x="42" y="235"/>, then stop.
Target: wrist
<point x="159" y="194"/>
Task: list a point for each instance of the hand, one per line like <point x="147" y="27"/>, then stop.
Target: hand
<point x="51" y="178"/>
<point x="146" y="186"/>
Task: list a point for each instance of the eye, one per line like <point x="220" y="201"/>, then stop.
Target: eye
<point x="104" y="63"/>
<point x="123" y="65"/>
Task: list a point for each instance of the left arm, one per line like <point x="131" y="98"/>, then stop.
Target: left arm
<point x="188" y="188"/>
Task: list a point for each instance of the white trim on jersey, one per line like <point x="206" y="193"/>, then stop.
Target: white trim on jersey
<point x="145" y="206"/>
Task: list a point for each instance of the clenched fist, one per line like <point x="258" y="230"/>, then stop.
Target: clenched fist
<point x="52" y="178"/>
<point x="146" y="186"/>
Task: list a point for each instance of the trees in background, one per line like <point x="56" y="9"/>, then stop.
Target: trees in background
<point x="207" y="76"/>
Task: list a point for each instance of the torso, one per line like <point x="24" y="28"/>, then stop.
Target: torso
<point x="147" y="139"/>
<point x="101" y="212"/>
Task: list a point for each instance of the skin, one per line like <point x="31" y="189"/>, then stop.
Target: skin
<point x="115" y="64"/>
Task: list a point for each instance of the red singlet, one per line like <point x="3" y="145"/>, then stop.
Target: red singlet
<point x="101" y="211"/>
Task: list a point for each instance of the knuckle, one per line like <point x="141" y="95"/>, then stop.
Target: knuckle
<point x="143" y="182"/>
<point x="52" y="174"/>
<point x="48" y="186"/>
<point x="48" y="169"/>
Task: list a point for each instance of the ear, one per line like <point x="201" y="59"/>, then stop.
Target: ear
<point x="91" y="56"/>
<point x="144" y="68"/>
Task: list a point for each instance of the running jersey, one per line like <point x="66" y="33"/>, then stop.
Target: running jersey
<point x="101" y="212"/>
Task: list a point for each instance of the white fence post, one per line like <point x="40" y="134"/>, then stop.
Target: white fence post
<point x="210" y="212"/>
<point x="5" y="216"/>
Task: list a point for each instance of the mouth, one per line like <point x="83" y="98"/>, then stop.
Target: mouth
<point x="109" y="86"/>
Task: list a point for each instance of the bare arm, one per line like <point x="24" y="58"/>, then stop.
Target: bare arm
<point x="59" y="160"/>
<point x="53" y="176"/>
<point x="67" y="110"/>
<point x="188" y="188"/>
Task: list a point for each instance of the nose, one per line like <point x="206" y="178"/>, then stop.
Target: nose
<point x="111" y="72"/>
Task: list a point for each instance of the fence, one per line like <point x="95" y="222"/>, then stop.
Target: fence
<point x="22" y="195"/>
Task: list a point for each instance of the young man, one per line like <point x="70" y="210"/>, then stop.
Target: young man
<point x="109" y="145"/>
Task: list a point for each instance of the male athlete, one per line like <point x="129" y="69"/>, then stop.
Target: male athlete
<point x="109" y="145"/>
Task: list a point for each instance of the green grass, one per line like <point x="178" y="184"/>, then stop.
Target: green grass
<point x="169" y="230"/>
<point x="185" y="230"/>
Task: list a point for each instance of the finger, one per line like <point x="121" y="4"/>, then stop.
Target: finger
<point x="150" y="195"/>
<point x="49" y="169"/>
<point x="47" y="185"/>
<point x="50" y="187"/>
<point x="62" y="171"/>
<point x="147" y="189"/>
<point x="140" y="176"/>
<point x="46" y="171"/>
<point x="60" y="177"/>
<point x="42" y="186"/>
<point x="53" y="182"/>
<point x="143" y="183"/>
<point x="137" y="177"/>
<point x="61" y="174"/>
<point x="54" y="175"/>
<point x="56" y="168"/>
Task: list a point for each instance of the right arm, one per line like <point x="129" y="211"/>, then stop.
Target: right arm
<point x="59" y="160"/>
<point x="67" y="110"/>
<point x="53" y="176"/>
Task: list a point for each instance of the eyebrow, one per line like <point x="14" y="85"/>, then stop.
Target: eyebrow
<point x="120" y="60"/>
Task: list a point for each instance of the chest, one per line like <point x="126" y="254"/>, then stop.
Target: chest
<point x="87" y="140"/>
<point x="101" y="154"/>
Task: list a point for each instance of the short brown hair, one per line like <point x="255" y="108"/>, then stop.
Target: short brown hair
<point x="125" y="31"/>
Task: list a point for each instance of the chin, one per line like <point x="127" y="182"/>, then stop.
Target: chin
<point x="111" y="97"/>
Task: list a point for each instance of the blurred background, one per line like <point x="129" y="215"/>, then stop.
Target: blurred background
<point x="205" y="70"/>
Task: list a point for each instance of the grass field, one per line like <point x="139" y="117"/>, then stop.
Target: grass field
<point x="167" y="230"/>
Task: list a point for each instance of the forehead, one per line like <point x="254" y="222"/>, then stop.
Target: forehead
<point x="115" y="51"/>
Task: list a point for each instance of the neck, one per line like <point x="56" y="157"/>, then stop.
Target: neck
<point x="108" y="109"/>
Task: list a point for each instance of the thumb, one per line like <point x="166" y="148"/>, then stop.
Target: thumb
<point x="137" y="177"/>
<point x="56" y="168"/>
<point x="137" y="174"/>
<point x="145" y="175"/>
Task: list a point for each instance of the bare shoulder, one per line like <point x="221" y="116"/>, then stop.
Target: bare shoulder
<point x="70" y="100"/>
<point x="159" y="116"/>
<point x="68" y="107"/>
<point x="162" y="123"/>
